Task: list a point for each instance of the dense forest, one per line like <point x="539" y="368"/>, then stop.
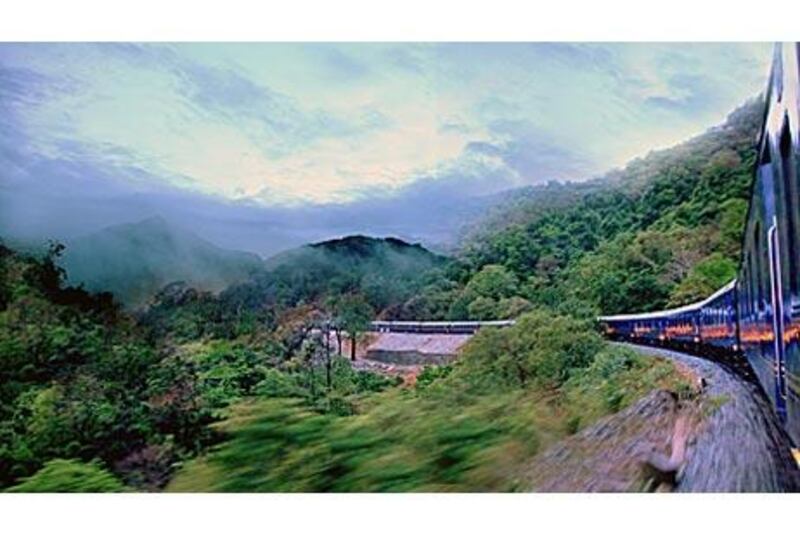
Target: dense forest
<point x="238" y="390"/>
<point x="87" y="388"/>
<point x="663" y="231"/>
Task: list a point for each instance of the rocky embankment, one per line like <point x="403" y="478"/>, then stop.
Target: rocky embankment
<point x="721" y="436"/>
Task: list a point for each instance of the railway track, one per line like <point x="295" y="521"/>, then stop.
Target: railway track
<point x="740" y="447"/>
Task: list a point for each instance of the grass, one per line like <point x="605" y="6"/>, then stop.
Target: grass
<point x="713" y="404"/>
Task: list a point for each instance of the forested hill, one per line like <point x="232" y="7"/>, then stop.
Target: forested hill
<point x="135" y="260"/>
<point x="664" y="230"/>
<point x="524" y="205"/>
<point x="384" y="272"/>
<point x="364" y="254"/>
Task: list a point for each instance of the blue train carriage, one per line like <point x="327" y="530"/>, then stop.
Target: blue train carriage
<point x="683" y="327"/>
<point x="758" y="316"/>
<point x="769" y="299"/>
<point x="718" y="320"/>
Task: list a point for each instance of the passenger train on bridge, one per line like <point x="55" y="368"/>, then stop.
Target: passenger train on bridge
<point x="756" y="317"/>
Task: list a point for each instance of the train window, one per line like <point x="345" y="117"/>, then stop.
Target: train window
<point x="750" y="291"/>
<point x="777" y="73"/>
<point x="744" y="286"/>
<point x="765" y="158"/>
<point x="786" y="139"/>
<point x="758" y="271"/>
<point x="789" y="180"/>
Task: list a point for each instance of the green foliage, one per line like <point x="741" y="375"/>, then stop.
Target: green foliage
<point x="464" y="427"/>
<point x="482" y="308"/>
<point x="616" y="377"/>
<point x="353" y="314"/>
<point x="78" y="381"/>
<point x="61" y="475"/>
<point x="662" y="231"/>
<point x="282" y="447"/>
<point x="279" y="384"/>
<point x="540" y="349"/>
<point x="180" y="313"/>
<point x="492" y="281"/>
<point x="512" y="307"/>
<point x="385" y="272"/>
<point x="431" y="374"/>
<point x="227" y="372"/>
<point x="704" y="278"/>
<point x="490" y="294"/>
<point x="364" y="382"/>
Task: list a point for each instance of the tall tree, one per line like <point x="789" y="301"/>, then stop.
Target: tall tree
<point x="354" y="315"/>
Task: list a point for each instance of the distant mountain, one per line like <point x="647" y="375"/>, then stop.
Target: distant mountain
<point x="357" y="252"/>
<point x="135" y="260"/>
<point x="386" y="271"/>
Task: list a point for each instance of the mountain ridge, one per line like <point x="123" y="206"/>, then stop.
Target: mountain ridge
<point x="133" y="260"/>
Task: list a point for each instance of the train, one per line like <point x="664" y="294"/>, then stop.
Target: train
<point x="448" y="328"/>
<point x="755" y="319"/>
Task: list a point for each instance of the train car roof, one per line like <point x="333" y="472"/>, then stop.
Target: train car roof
<point x="468" y="323"/>
<point x="671" y="312"/>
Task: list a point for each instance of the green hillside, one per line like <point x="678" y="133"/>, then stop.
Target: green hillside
<point x="664" y="230"/>
<point x="135" y="260"/>
<point x="385" y="271"/>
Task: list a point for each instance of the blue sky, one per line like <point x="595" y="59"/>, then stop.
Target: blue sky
<point x="292" y="125"/>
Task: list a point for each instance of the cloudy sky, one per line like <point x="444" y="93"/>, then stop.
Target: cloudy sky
<point x="294" y="126"/>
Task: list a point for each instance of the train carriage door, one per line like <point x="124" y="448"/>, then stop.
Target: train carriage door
<point x="759" y="290"/>
<point x="788" y="172"/>
<point x="776" y="297"/>
<point x="791" y="208"/>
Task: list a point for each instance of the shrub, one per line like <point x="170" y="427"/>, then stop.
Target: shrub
<point x="62" y="475"/>
<point x="541" y="348"/>
<point x="431" y="374"/>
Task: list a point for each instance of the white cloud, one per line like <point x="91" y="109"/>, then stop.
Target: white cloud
<point x="288" y="123"/>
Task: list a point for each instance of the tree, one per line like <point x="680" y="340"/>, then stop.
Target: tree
<point x="542" y="348"/>
<point x="326" y="331"/>
<point x="334" y="324"/>
<point x="309" y="351"/>
<point x="512" y="307"/>
<point x="482" y="308"/>
<point x="706" y="277"/>
<point x="492" y="281"/>
<point x="326" y="325"/>
<point x="353" y="315"/>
